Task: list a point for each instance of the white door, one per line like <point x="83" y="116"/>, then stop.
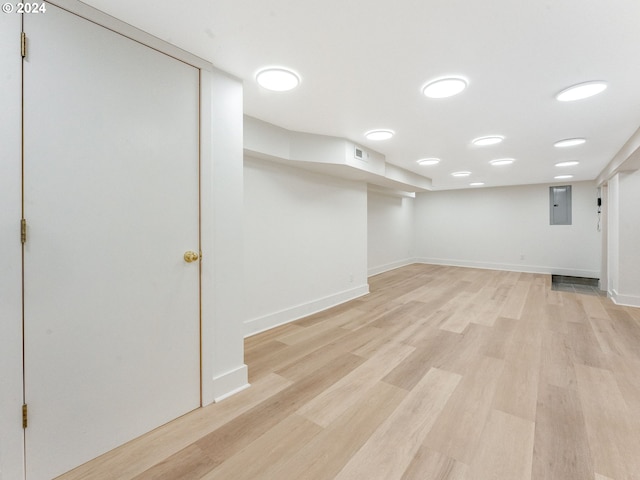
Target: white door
<point x="111" y="160"/>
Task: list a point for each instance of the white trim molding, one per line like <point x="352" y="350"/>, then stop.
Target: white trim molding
<point x="267" y="322"/>
<point x="230" y="383"/>
<point x="573" y="272"/>
<point x="391" y="266"/>
<point x="624" y="300"/>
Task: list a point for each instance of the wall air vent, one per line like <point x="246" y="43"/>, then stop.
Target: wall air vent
<point x="360" y="154"/>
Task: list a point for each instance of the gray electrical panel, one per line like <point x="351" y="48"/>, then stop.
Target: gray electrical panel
<point x="560" y="205"/>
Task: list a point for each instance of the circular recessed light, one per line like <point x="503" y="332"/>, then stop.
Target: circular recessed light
<point x="567" y="164"/>
<point x="461" y="174"/>
<point x="429" y="161"/>
<point x="476" y="184"/>
<point x="278" y="79"/>
<point x="484" y="141"/>
<point x="569" y="142"/>
<point x="580" y="91"/>
<point x="502" y="161"/>
<point x="379" y="134"/>
<point x="444" y="87"/>
<point x="563" y="177"/>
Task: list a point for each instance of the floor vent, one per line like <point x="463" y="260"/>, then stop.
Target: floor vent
<point x="588" y="286"/>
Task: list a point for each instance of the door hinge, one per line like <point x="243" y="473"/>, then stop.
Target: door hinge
<point x="24" y="416"/>
<point x="23" y="44"/>
<point x="23" y="231"/>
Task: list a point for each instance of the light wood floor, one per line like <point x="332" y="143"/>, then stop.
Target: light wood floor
<point x="439" y="373"/>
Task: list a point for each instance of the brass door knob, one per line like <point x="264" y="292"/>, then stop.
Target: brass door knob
<point x="190" y="256"/>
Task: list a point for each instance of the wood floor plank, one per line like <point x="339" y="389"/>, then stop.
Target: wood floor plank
<point x="585" y="348"/>
<point x="514" y="304"/>
<point x="235" y="435"/>
<point x="298" y="368"/>
<point x="488" y="303"/>
<point x="602" y="477"/>
<point x="505" y="451"/>
<point x="280" y="357"/>
<point x="427" y="464"/>
<point x="305" y="334"/>
<point x="626" y="372"/>
<point x="555" y="319"/>
<point x="517" y="387"/>
<point x="429" y="353"/>
<point x="457" y="431"/>
<point x="498" y="339"/>
<point x="557" y="367"/>
<point x="626" y="327"/>
<point x="190" y="464"/>
<point x="329" y="451"/>
<point x="404" y="429"/>
<point x="282" y="441"/>
<point x="462" y="313"/>
<point x="593" y="307"/>
<point x="466" y="349"/>
<point x="611" y="430"/>
<point x="331" y="403"/>
<point x="561" y="443"/>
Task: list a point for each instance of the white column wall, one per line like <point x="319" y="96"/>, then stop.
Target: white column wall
<point x="305" y="242"/>
<point x="630" y="235"/>
<point x="613" y="235"/>
<point x="624" y="238"/>
<point x="223" y="298"/>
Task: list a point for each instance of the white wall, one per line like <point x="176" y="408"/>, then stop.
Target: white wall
<point x="624" y="238"/>
<point x="613" y="235"/>
<point x="390" y="232"/>
<point x="11" y="434"/>
<point x="224" y="371"/>
<point x="629" y="269"/>
<point x="305" y="240"/>
<point x="508" y="228"/>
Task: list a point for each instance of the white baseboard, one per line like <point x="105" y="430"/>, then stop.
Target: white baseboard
<point x="624" y="300"/>
<point x="390" y="266"/>
<point x="230" y="383"/>
<point x="287" y="315"/>
<point x="573" y="272"/>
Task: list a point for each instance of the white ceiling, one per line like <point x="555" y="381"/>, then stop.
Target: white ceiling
<point x="363" y="64"/>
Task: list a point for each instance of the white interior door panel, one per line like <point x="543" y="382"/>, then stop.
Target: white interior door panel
<point x="112" y="329"/>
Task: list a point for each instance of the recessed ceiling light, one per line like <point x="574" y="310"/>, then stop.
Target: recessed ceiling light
<point x="278" y="79"/>
<point x="580" y="91"/>
<point x="567" y="164"/>
<point x="429" y="161"/>
<point x="484" y="141"/>
<point x="502" y="161"/>
<point x="379" y="134"/>
<point x="461" y="174"/>
<point x="476" y="184"/>
<point x="563" y="177"/>
<point x="444" y="87"/>
<point x="569" y="142"/>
